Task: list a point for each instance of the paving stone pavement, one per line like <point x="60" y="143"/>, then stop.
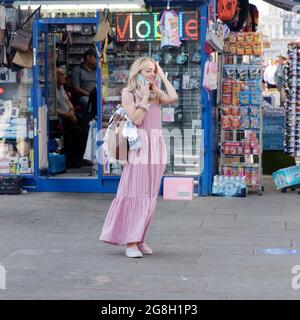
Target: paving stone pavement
<point x="209" y="248"/>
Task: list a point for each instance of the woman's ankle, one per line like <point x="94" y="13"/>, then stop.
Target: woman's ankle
<point x="132" y="244"/>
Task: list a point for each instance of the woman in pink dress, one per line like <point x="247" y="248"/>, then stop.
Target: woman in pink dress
<point x="131" y="211"/>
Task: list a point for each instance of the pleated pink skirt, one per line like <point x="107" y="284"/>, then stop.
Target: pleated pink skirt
<point x="132" y="209"/>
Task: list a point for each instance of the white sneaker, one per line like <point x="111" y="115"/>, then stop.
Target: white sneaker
<point x="133" y="252"/>
<point x="145" y="249"/>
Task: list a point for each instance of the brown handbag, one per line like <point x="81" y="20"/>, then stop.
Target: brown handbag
<point x="23" y="59"/>
<point x="118" y="146"/>
<point x="21" y="40"/>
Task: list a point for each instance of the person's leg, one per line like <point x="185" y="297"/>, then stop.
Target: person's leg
<point x="132" y="244"/>
<point x="83" y="126"/>
<point x="70" y="147"/>
<point x="84" y="102"/>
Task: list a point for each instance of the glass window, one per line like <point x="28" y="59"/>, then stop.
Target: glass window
<point x="16" y="122"/>
<point x="181" y="121"/>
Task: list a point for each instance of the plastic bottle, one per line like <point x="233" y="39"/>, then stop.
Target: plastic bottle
<point x="215" y="185"/>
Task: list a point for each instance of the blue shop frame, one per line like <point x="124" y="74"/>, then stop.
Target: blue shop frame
<point x="102" y="183"/>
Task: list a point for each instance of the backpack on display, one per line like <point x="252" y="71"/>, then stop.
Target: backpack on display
<point x="227" y="9"/>
<point x="253" y="17"/>
<point x="169" y="29"/>
<point x="242" y="15"/>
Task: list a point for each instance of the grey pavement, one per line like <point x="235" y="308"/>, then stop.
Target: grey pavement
<point x="208" y="248"/>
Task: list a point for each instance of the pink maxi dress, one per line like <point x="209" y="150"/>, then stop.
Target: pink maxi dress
<point x="132" y="209"/>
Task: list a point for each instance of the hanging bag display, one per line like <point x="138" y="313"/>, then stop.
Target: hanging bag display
<point x="216" y="32"/>
<point x="104" y="26"/>
<point x="2" y="21"/>
<point x="252" y="20"/>
<point x="242" y="15"/>
<point x="169" y="29"/>
<point x="2" y="37"/>
<point x="23" y="59"/>
<point x="21" y="39"/>
<point x="210" y="79"/>
<point x="215" y="35"/>
<point x="227" y="9"/>
<point x="104" y="34"/>
<point x="3" y="55"/>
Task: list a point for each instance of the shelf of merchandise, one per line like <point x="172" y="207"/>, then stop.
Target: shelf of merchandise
<point x="241" y="163"/>
<point x="69" y="51"/>
<point x="291" y="104"/>
<point x="16" y="146"/>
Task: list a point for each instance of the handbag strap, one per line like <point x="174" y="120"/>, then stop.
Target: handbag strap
<point x="32" y="15"/>
<point x="122" y="118"/>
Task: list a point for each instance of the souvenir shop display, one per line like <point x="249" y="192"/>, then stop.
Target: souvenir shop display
<point x="292" y="104"/>
<point x="16" y="122"/>
<point x="241" y="112"/>
<point x="72" y="41"/>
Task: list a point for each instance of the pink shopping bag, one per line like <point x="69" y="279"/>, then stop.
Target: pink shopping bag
<point x="178" y="188"/>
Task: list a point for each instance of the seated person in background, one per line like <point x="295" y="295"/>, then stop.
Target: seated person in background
<point x="84" y="79"/>
<point x="65" y="108"/>
<point x="73" y="134"/>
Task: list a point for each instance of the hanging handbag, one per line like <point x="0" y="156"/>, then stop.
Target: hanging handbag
<point x="227" y="9"/>
<point x="169" y="28"/>
<point x="210" y="79"/>
<point x="3" y="56"/>
<point x="104" y="34"/>
<point x="104" y="27"/>
<point x="23" y="59"/>
<point x="21" y="39"/>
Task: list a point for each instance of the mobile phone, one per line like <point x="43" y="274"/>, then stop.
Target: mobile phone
<point x="141" y="80"/>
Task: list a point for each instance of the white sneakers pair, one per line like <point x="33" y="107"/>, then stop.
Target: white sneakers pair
<point x="138" y="250"/>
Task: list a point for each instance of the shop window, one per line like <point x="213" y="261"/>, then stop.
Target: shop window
<point x="16" y="122"/>
<point x="181" y="120"/>
<point x="64" y="46"/>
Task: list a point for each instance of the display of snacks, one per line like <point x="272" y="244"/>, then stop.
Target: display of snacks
<point x="241" y="132"/>
<point x="247" y="43"/>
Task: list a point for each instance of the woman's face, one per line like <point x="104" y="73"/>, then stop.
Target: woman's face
<point x="149" y="72"/>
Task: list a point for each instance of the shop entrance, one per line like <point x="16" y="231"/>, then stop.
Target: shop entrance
<point x="66" y="77"/>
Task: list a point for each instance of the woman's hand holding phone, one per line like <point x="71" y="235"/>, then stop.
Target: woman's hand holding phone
<point x="145" y="90"/>
<point x="144" y="86"/>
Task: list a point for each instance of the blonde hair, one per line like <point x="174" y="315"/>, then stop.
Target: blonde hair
<point x="135" y="69"/>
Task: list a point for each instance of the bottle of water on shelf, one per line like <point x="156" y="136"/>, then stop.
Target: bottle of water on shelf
<point x="220" y="185"/>
<point x="215" y="185"/>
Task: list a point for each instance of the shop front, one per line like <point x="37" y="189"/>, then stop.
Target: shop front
<point x="59" y="45"/>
